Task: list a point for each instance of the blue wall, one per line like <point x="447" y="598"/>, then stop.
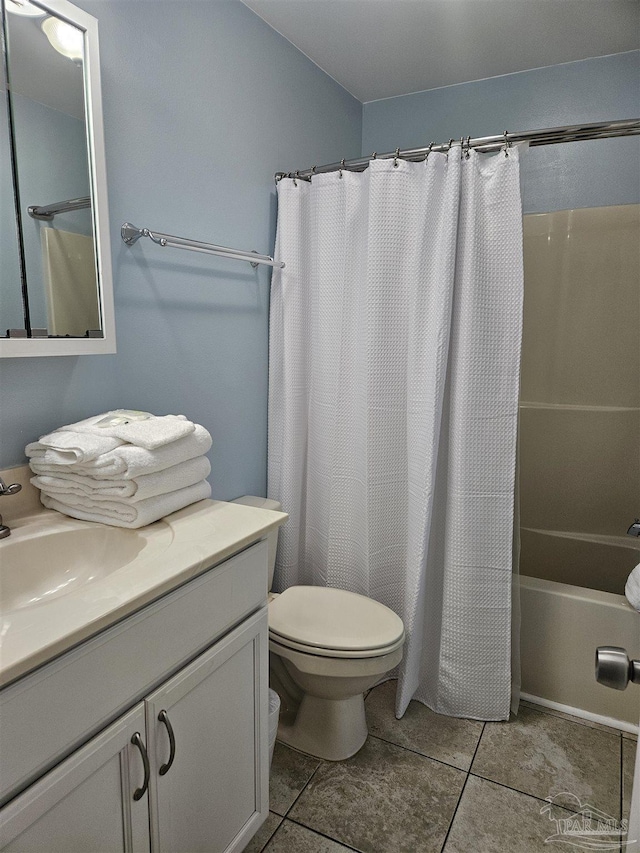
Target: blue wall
<point x="554" y="177"/>
<point x="203" y="102"/>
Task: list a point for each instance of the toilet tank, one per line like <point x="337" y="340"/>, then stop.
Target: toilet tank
<point x="272" y="537"/>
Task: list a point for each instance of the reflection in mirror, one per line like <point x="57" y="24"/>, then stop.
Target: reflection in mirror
<point x="47" y="100"/>
<point x="12" y="313"/>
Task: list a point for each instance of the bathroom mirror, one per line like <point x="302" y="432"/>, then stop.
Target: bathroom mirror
<point x="55" y="265"/>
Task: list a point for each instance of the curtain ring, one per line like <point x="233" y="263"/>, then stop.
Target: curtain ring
<point x="461" y="147"/>
<point x="507" y="144"/>
<point x="297" y="175"/>
<point x="466" y="156"/>
<point x="395" y="159"/>
<point x="374" y="155"/>
<point x="341" y="167"/>
<point x="449" y="148"/>
<point x="426" y="156"/>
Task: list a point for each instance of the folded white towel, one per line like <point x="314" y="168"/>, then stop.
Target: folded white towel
<point x="146" y="486"/>
<point x="68" y="448"/>
<point x="632" y="588"/>
<point x="125" y="514"/>
<point x="126" y="461"/>
<point x="151" y="433"/>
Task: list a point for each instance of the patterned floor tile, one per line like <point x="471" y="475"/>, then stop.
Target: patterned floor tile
<point x="524" y="703"/>
<point x="262" y="836"/>
<point x="292" y="838"/>
<point x="290" y="772"/>
<point x="628" y="766"/>
<point x="383" y="800"/>
<point x="446" y="738"/>
<point x="493" y="819"/>
<point x="545" y="755"/>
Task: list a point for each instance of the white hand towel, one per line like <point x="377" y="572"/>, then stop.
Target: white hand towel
<point x="151" y="433"/>
<point x="146" y="486"/>
<point x="632" y="588"/>
<point x="68" y="448"/>
<point x="132" y="515"/>
<point x="128" y="462"/>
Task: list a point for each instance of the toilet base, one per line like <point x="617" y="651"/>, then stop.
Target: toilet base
<point x="333" y="729"/>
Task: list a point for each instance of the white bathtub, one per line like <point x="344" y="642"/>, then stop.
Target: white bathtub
<point x="561" y="627"/>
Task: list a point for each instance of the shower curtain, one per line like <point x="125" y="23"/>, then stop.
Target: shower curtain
<point x="395" y="332"/>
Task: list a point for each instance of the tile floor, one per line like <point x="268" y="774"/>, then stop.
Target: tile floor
<point x="433" y="784"/>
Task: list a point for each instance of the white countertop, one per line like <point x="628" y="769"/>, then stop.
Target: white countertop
<point x="174" y="550"/>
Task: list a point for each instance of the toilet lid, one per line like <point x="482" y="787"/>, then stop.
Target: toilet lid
<point x="328" y="618"/>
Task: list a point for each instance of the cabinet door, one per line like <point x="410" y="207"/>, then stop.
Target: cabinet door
<point x="214" y="795"/>
<point x="85" y="804"/>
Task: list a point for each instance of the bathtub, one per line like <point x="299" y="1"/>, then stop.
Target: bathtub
<point x="591" y="560"/>
<point x="561" y="626"/>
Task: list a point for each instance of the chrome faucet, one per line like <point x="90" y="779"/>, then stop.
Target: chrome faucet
<point x="634" y="530"/>
<point x="7" y="490"/>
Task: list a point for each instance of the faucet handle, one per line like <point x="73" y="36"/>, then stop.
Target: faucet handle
<point x="9" y="490"/>
<point x="634" y="530"/>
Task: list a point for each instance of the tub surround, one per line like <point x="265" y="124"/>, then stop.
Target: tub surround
<point x="170" y="552"/>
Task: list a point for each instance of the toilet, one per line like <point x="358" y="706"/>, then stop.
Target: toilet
<point x="327" y="647"/>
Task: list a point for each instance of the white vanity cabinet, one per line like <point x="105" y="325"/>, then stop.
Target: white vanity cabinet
<point x="211" y="797"/>
<point x="200" y="723"/>
<point x="86" y="803"/>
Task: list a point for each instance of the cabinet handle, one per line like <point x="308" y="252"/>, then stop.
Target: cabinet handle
<point x="163" y="718"/>
<point x="136" y="740"/>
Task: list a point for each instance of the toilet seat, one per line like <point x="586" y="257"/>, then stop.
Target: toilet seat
<point x="333" y="623"/>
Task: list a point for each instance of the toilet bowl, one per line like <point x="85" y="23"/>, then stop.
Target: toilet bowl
<point x="327" y="647"/>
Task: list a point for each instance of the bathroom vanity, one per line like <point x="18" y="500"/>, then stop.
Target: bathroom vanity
<point x="149" y="731"/>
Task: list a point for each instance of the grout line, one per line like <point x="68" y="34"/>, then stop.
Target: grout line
<point x="268" y="841"/>
<point x="305" y="786"/>
<point x="621" y="778"/>
<point x="423" y="755"/>
<point x="519" y="791"/>
<point x="455" y="811"/>
<point x="570" y="718"/>
<point x="323" y="834"/>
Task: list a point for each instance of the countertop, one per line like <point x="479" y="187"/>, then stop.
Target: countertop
<point x="174" y="550"/>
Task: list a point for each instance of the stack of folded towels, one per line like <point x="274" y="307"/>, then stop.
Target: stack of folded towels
<point x="121" y="471"/>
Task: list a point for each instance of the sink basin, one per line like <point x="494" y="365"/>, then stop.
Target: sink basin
<point x="40" y="568"/>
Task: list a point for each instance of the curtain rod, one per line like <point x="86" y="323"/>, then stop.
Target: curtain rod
<point x="485" y="144"/>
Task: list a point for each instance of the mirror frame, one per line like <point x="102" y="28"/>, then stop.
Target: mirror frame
<point x="38" y="347"/>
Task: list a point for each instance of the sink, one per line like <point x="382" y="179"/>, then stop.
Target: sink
<point x="39" y="568"/>
<point x="63" y="580"/>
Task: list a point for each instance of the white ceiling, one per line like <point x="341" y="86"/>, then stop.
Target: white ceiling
<point x="39" y="72"/>
<point x="383" y="48"/>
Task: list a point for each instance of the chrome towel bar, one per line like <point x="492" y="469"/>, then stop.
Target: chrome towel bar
<point x="130" y="234"/>
<point x="48" y="211"/>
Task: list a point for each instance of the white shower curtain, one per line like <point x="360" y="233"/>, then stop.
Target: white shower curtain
<point x="394" y="369"/>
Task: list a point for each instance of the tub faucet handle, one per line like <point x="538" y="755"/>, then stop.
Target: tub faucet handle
<point x="634" y="530"/>
<point x="614" y="669"/>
